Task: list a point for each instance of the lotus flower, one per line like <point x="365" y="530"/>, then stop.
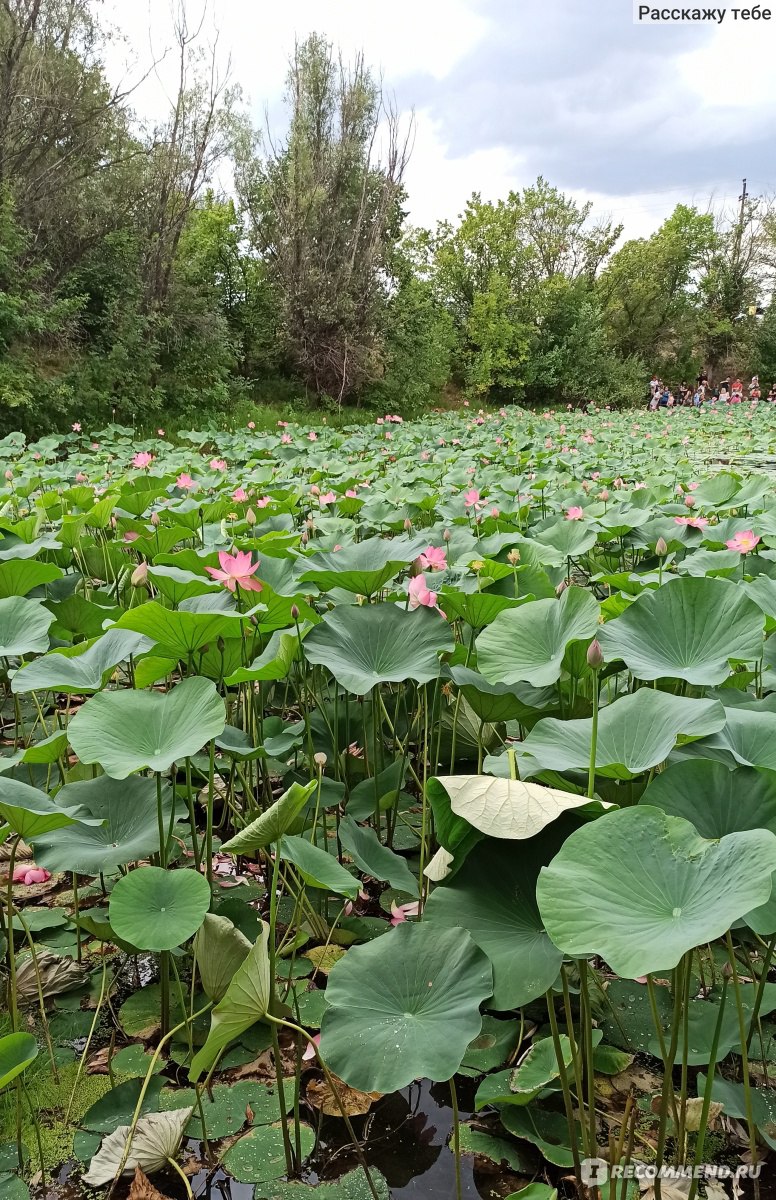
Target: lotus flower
<point x="236" y="571"/>
<point x="743" y="542"/>
<point x="30" y="874"/>
<point x="575" y="513"/>
<point x="217" y="464"/>
<point x="433" y="558"/>
<point x="76" y="427"/>
<point x="142" y="460"/>
<point x="286" y="439"/>
<point x="239" y="494"/>
<point x="420" y="594"/>
<point x="400" y="912"/>
<point x="310" y="1048"/>
<point x="471" y="499"/>
<point x="184" y="480"/>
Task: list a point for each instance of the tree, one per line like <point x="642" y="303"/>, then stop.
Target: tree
<point x="649" y="291"/>
<point x="325" y="215"/>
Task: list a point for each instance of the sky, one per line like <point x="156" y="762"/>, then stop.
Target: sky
<point x="635" y="118"/>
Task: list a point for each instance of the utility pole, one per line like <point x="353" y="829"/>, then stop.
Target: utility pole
<point x="740" y="226"/>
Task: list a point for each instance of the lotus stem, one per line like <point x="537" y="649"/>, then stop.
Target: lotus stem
<point x="564" y="1085"/>
<point x="708" y="1089"/>
<point x="744" y="1055"/>
<point x="456" y="1138"/>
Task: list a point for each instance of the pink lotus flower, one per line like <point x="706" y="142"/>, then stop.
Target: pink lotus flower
<point x="575" y="513"/>
<point x="263" y="501"/>
<point x="425" y="456"/>
<point x="236" y="571"/>
<point x="310" y="1048"/>
<point x="400" y="912"/>
<point x="239" y="494"/>
<point x="81" y="478"/>
<point x="217" y="464"/>
<point x="130" y="536"/>
<point x="160" y="432"/>
<point x="351" y="494"/>
<point x="142" y="460"/>
<point x="251" y="424"/>
<point x="327" y="498"/>
<point x="184" y="480"/>
<point x="312" y="436"/>
<point x="471" y="499"/>
<point x="420" y="595"/>
<point x="494" y="512"/>
<point x="433" y="558"/>
<point x="76" y="427"/>
<point x="286" y="439"/>
<point x="743" y="542"/>
<point x="694" y="522"/>
<point x="29" y="874"/>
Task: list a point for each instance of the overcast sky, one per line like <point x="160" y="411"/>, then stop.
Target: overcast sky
<point x="635" y="118"/>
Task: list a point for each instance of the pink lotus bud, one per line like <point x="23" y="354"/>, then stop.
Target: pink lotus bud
<point x="661" y="547"/>
<point x="139" y="575"/>
<point x="595" y="657"/>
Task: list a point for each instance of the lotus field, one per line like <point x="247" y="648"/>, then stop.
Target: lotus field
<point x="341" y="765"/>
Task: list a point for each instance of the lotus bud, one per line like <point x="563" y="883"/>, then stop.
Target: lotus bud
<point x="221" y="644"/>
<point x="407" y="523"/>
<point x="603" y="494"/>
<point x="294" y="613"/>
<point x="447" y="535"/>
<point x="155" y="520"/>
<point x="727" y="971"/>
<point x="595" y="657"/>
<point x="320" y="759"/>
<point x="560" y="589"/>
<point x="9" y="474"/>
<point x="139" y="575"/>
<point x="250" y="517"/>
<point x="513" y="557"/>
<point x="661" y="547"/>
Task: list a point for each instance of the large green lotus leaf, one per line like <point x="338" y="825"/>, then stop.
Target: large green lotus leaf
<point x="17" y="1051"/>
<point x="495" y="702"/>
<point x="31" y="813"/>
<point x="246" y="1001"/>
<point x="375" y="859"/>
<point x="130" y="831"/>
<point x="24" y="626"/>
<point x="362" y="567"/>
<point x="527" y="644"/>
<point x="718" y="801"/>
<point x="179" y="632"/>
<point x="156" y="909"/>
<point x="634" y="733"/>
<point x="275" y="661"/>
<point x="127" y="730"/>
<point x="352" y="1186"/>
<point x="748" y="736"/>
<point x="732" y="1096"/>
<point x="282" y="817"/>
<point x="404" y="1006"/>
<point x="677" y="631"/>
<point x="508" y="808"/>
<point x="493" y="897"/>
<point x="21" y="575"/>
<point x="82" y="668"/>
<point x="653" y="888"/>
<point x="546" y="1129"/>
<point x="569" y="537"/>
<point x="318" y="868"/>
<point x="378" y="643"/>
<point x="47" y="750"/>
<point x="477" y="609"/>
<point x="176" y="584"/>
<point x="713" y="799"/>
<point x="219" y="949"/>
<point x="260" y="1154"/>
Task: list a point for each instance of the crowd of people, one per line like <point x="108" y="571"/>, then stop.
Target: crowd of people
<point x="727" y="391"/>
